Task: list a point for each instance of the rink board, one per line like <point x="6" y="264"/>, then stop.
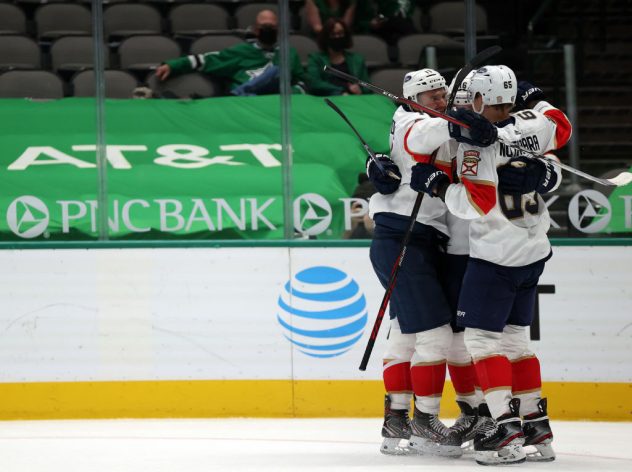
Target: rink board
<point x="199" y="333"/>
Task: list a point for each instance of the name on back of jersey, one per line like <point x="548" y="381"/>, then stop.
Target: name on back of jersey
<point x="530" y="143"/>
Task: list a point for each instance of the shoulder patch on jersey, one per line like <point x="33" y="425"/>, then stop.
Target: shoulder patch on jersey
<point x="471" y="159"/>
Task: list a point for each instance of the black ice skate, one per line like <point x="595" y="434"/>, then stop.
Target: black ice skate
<point x="466" y="425"/>
<point x="430" y="436"/>
<point x="502" y="442"/>
<point x="396" y="428"/>
<point x="538" y="434"/>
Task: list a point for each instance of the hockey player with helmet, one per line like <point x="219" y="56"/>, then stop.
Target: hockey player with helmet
<point x="420" y="336"/>
<point x="508" y="250"/>
<point x="469" y="397"/>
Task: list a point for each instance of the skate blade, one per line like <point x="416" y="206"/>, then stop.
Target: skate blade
<point x="512" y="454"/>
<point x="542" y="453"/>
<point x="423" y="446"/>
<point x="468" y="447"/>
<point x="395" y="447"/>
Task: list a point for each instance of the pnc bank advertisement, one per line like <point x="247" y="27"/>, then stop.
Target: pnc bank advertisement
<point x="210" y="169"/>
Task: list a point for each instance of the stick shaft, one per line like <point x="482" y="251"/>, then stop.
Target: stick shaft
<point x="391" y="283"/>
<point x="395" y="98"/>
<point x="366" y="146"/>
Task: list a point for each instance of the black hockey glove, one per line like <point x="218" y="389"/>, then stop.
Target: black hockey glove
<point x="524" y="175"/>
<point x="482" y="132"/>
<point x="383" y="182"/>
<point x="428" y="179"/>
<point x="527" y="96"/>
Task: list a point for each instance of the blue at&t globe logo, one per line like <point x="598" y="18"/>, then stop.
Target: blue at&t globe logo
<point x="322" y="311"/>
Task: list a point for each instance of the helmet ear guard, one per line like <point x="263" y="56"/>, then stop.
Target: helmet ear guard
<point x="497" y="85"/>
<point x="420" y="81"/>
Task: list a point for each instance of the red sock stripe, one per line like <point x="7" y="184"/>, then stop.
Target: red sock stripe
<point x="526" y="374"/>
<point x="493" y="372"/>
<point x="463" y="378"/>
<point x="428" y="380"/>
<point x="397" y="378"/>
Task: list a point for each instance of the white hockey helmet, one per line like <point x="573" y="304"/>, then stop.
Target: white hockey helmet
<point x="420" y="81"/>
<point x="462" y="99"/>
<point x="496" y="84"/>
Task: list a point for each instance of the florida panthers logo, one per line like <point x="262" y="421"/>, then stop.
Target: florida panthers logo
<point x="470" y="163"/>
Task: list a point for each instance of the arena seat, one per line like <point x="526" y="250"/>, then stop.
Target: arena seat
<point x="73" y="53"/>
<point x="118" y="84"/>
<point x="184" y="86"/>
<point x="62" y="19"/>
<point x="373" y="48"/>
<point x="12" y="19"/>
<point x="128" y="19"/>
<point x="389" y="79"/>
<point x="19" y="52"/>
<point x="31" y="84"/>
<point x="196" y="19"/>
<point x="411" y="47"/>
<point x="147" y="52"/>
<point x="304" y="46"/>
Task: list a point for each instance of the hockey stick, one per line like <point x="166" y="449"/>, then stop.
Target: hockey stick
<point x="395" y="98"/>
<point x="624" y="178"/>
<point x="367" y="148"/>
<point x="476" y="61"/>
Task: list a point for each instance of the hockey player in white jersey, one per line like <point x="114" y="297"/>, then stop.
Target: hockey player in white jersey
<point x="469" y="397"/>
<point x="420" y="333"/>
<point x="508" y="250"/>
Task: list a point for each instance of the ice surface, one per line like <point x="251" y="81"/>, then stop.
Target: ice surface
<point x="267" y="445"/>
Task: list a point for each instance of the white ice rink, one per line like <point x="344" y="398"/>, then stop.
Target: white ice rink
<point x="267" y="445"/>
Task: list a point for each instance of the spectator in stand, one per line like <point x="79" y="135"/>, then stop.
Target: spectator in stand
<point x="361" y="223"/>
<point x="334" y="41"/>
<point x="251" y="67"/>
<point x="319" y="11"/>
<point x="393" y="19"/>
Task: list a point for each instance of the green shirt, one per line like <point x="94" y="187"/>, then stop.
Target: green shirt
<point x="238" y="63"/>
<point x="318" y="80"/>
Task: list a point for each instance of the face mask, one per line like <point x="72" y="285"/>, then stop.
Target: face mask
<point x="267" y="34"/>
<point x="337" y="44"/>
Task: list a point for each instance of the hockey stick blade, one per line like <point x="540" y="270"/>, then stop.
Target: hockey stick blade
<point x="366" y="146"/>
<point x="624" y="178"/>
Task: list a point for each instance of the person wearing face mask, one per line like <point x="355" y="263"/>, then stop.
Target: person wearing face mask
<point x="251" y="67"/>
<point x="334" y="41"/>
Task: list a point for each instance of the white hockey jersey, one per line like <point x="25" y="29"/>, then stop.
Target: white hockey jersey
<point x="458" y="228"/>
<point x="414" y="138"/>
<point x="508" y="230"/>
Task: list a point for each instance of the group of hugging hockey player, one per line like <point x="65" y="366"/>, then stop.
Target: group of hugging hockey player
<point x="466" y="290"/>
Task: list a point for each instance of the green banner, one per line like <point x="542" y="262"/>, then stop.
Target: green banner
<point x="204" y="169"/>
